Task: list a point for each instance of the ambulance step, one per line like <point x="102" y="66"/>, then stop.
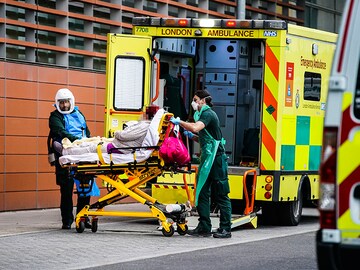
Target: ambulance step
<point x="236" y="220"/>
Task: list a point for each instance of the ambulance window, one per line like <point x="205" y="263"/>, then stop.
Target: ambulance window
<point x="357" y="97"/>
<point x="312" y="86"/>
<point x="129" y="83"/>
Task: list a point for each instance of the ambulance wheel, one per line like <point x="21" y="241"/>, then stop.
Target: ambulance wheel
<point x="290" y="214"/>
<point x="81" y="227"/>
<point x="181" y="231"/>
<point x="94" y="226"/>
<point x="169" y="233"/>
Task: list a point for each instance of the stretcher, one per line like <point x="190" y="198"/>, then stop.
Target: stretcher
<point x="125" y="174"/>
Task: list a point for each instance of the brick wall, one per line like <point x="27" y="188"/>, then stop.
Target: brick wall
<point x="27" y="94"/>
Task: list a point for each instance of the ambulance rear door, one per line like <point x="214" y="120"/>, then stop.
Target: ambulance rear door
<point x="128" y="71"/>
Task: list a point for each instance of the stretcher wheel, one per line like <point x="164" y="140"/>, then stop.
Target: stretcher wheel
<point x="94" y="226"/>
<point x="81" y="227"/>
<point x="181" y="231"/>
<point x="169" y="233"/>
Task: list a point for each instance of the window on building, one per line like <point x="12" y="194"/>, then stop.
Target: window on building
<point x="102" y="12"/>
<point x="101" y="29"/>
<point x="127" y="17"/>
<point x="194" y="3"/>
<point x="312" y="86"/>
<point x="47" y="3"/>
<point x="46" y="19"/>
<point x="229" y="10"/>
<point x="150" y="6"/>
<point x="45" y="56"/>
<point x="76" y="7"/>
<point x="173" y="11"/>
<point x="76" y="43"/>
<point x="128" y="3"/>
<point x="15" y="13"/>
<point x="76" y="60"/>
<point x="191" y="14"/>
<point x="15" y="52"/>
<point x="15" y="32"/>
<point x="323" y="15"/>
<point x="99" y="46"/>
<point x="126" y="30"/>
<point x="99" y="64"/>
<point x="76" y="25"/>
<point x="45" y="37"/>
<point x="213" y="6"/>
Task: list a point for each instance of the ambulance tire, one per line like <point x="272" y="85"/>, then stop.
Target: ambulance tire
<point x="290" y="214"/>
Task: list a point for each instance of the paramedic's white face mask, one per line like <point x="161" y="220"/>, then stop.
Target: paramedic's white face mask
<point x="194" y="105"/>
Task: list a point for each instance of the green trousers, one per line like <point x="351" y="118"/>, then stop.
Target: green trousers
<point x="217" y="185"/>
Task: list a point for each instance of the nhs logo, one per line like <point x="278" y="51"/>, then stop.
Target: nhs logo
<point x="270" y="33"/>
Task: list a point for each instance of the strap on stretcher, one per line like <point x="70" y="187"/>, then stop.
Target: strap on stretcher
<point x="99" y="152"/>
<point x="101" y="158"/>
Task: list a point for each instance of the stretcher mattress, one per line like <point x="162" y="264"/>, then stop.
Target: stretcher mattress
<point x="151" y="139"/>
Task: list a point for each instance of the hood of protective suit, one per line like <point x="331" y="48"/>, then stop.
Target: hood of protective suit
<point x="64" y="94"/>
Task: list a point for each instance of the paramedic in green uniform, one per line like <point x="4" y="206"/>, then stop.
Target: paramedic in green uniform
<point x="67" y="121"/>
<point x="212" y="174"/>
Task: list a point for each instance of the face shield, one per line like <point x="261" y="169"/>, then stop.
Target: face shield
<point x="64" y="101"/>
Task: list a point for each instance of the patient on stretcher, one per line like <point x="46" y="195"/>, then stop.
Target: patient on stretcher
<point x="132" y="136"/>
<point x="136" y="134"/>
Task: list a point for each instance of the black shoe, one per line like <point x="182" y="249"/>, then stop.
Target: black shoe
<point x="66" y="227"/>
<point x="198" y="232"/>
<point x="221" y="233"/>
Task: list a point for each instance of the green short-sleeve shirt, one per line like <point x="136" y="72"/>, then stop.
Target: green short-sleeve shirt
<point x="212" y="125"/>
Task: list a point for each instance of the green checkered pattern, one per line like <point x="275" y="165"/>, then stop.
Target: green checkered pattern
<point x="305" y="153"/>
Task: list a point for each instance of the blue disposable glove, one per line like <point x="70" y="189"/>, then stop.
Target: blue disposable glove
<point x="175" y="121"/>
<point x="188" y="134"/>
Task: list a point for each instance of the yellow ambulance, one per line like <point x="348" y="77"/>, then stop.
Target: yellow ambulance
<point x="268" y="80"/>
<point x="338" y="239"/>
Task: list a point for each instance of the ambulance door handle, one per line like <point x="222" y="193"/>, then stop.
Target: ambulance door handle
<point x="230" y="116"/>
<point x="232" y="58"/>
<point x="231" y="94"/>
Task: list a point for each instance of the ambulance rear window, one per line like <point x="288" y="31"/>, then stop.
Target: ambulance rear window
<point x="129" y="83"/>
<point x="312" y="86"/>
<point x="357" y="97"/>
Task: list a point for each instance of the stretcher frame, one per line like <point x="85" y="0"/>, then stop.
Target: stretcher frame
<point x="138" y="174"/>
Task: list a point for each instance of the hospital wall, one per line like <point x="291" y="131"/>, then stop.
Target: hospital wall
<point x="27" y="94"/>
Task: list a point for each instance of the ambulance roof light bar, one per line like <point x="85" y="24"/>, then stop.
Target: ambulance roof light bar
<point x="210" y="23"/>
<point x="206" y="23"/>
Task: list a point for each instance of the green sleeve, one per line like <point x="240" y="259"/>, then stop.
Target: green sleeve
<point x="57" y="127"/>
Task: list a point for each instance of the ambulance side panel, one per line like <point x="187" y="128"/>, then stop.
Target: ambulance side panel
<point x="302" y="97"/>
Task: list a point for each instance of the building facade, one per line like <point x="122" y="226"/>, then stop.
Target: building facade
<point x="46" y="45"/>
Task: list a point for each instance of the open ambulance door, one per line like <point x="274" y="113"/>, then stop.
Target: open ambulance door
<point x="128" y="71"/>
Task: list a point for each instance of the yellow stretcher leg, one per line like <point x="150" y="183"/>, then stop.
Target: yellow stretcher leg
<point x="131" y="189"/>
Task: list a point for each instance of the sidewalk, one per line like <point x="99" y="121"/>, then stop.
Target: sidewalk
<point x="17" y="222"/>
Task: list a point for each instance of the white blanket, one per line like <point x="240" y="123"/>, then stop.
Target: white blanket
<point x="151" y="139"/>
